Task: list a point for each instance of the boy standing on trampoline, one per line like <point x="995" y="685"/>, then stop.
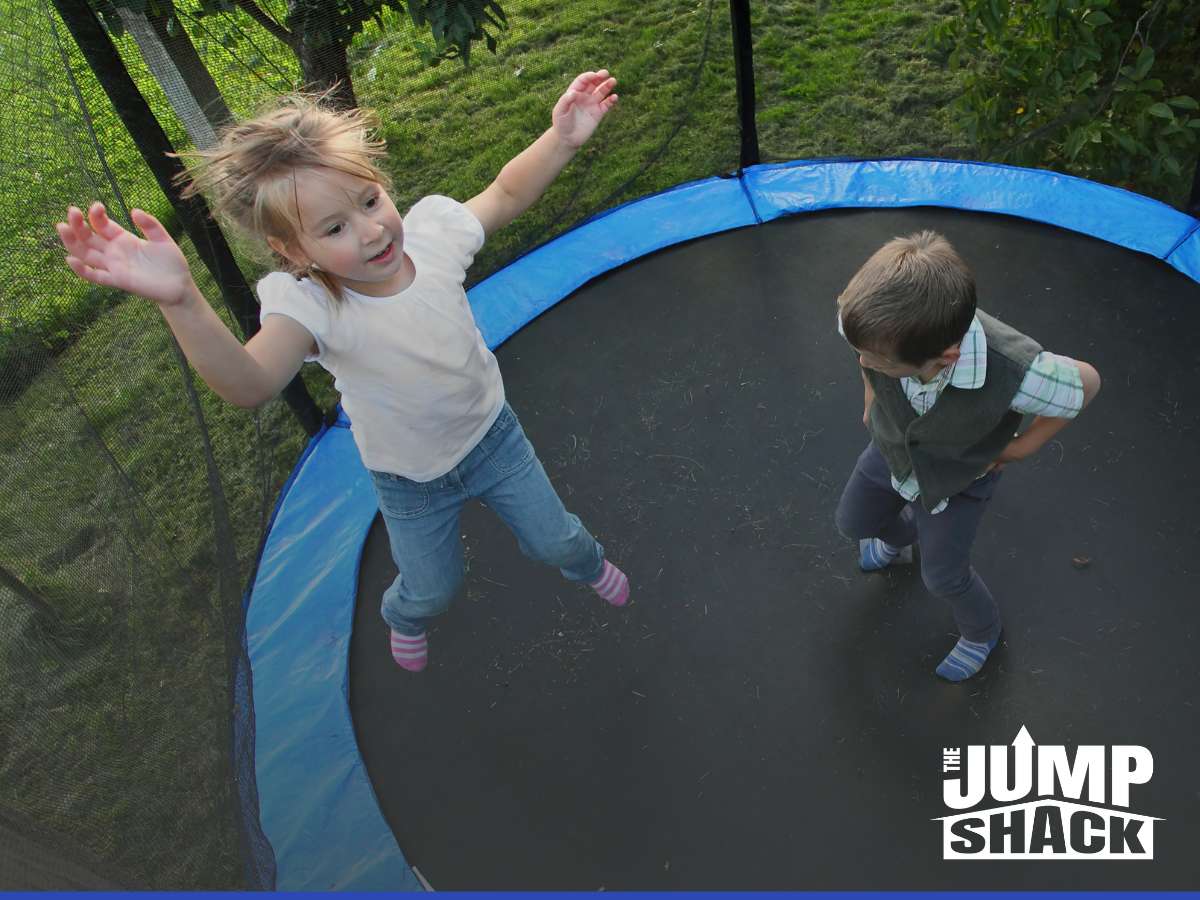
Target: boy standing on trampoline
<point x="946" y="386"/>
<point x="379" y="302"/>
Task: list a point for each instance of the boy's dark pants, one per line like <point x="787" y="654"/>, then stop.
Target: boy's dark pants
<point x="870" y="507"/>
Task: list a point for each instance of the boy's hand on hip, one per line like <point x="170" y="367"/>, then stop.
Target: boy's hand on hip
<point x="102" y="252"/>
<point x="1016" y="451"/>
<point x="580" y="109"/>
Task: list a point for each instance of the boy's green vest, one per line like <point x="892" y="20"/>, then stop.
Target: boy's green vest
<point x="953" y="444"/>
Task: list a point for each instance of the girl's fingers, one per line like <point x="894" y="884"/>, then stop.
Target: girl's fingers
<point x="148" y="225"/>
<point x="565" y="102"/>
<point x="590" y="82"/>
<point x="86" y="240"/>
<point x="75" y="240"/>
<point x="69" y="230"/>
<point x="83" y="270"/>
<point x="581" y="81"/>
<point x="78" y="220"/>
<point x="594" y="86"/>
<point x="92" y="257"/>
<point x="101" y="223"/>
<point x="65" y="235"/>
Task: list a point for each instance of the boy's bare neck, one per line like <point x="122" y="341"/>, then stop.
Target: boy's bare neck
<point x="933" y="376"/>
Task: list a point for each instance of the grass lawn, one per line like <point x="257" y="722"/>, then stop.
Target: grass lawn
<point x="851" y="79"/>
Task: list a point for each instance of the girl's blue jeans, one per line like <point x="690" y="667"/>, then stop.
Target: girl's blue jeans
<point x="422" y="523"/>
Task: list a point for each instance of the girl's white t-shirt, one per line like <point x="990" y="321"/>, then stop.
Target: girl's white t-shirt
<point x="418" y="382"/>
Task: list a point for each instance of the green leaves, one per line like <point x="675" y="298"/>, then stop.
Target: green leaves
<point x="1125" y="142"/>
<point x="1144" y="61"/>
<point x="455" y="25"/>
<point x="1074" y="142"/>
<point x="1077" y="85"/>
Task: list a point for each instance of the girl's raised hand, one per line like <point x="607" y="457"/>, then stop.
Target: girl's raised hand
<point x="585" y="103"/>
<point x="102" y="252"/>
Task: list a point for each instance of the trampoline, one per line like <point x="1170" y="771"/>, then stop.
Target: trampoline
<point x="763" y="715"/>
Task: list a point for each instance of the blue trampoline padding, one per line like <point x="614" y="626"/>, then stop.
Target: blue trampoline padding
<point x="520" y="292"/>
<point x="318" y="807"/>
<point x="1186" y="257"/>
<point x="1109" y="213"/>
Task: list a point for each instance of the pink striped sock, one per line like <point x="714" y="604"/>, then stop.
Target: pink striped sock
<point x="612" y="585"/>
<point x="411" y="653"/>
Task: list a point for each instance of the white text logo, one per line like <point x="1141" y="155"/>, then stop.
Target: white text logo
<point x="1044" y="804"/>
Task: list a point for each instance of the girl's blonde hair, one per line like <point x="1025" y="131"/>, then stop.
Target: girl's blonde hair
<point x="250" y="176"/>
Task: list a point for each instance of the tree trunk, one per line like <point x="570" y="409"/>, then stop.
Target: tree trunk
<point x="327" y="67"/>
<point x="323" y="62"/>
<point x="169" y="73"/>
<point x="191" y="67"/>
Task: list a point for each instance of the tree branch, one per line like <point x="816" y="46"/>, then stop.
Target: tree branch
<point x="199" y="23"/>
<point x="254" y="11"/>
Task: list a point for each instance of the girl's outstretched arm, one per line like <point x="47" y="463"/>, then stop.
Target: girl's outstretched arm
<point x="102" y="252"/>
<point x="527" y="175"/>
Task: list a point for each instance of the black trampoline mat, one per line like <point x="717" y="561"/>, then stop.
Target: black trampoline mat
<point x="763" y="715"/>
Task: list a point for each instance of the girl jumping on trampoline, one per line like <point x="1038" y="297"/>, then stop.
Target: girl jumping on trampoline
<point x="378" y="300"/>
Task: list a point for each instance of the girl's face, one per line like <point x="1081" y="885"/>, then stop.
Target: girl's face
<point x="350" y="228"/>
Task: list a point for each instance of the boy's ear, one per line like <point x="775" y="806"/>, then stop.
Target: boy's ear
<point x="951" y="354"/>
<point x="290" y="253"/>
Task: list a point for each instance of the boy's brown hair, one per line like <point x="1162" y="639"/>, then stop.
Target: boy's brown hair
<point x="250" y="176"/>
<point x="911" y="300"/>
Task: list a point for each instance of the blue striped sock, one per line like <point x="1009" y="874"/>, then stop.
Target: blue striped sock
<point x="875" y="554"/>
<point x="965" y="659"/>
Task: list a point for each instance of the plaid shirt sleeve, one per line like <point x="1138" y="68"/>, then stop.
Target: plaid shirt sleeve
<point x="1052" y="387"/>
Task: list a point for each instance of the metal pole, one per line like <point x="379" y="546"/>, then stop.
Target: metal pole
<point x="743" y="61"/>
<point x="1193" y="206"/>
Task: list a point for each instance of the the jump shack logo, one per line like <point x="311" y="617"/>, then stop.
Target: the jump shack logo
<point x="1039" y="810"/>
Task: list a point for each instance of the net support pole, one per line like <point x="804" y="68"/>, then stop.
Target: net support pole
<point x="1193" y="207"/>
<point x="743" y="60"/>
<point x="153" y="144"/>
